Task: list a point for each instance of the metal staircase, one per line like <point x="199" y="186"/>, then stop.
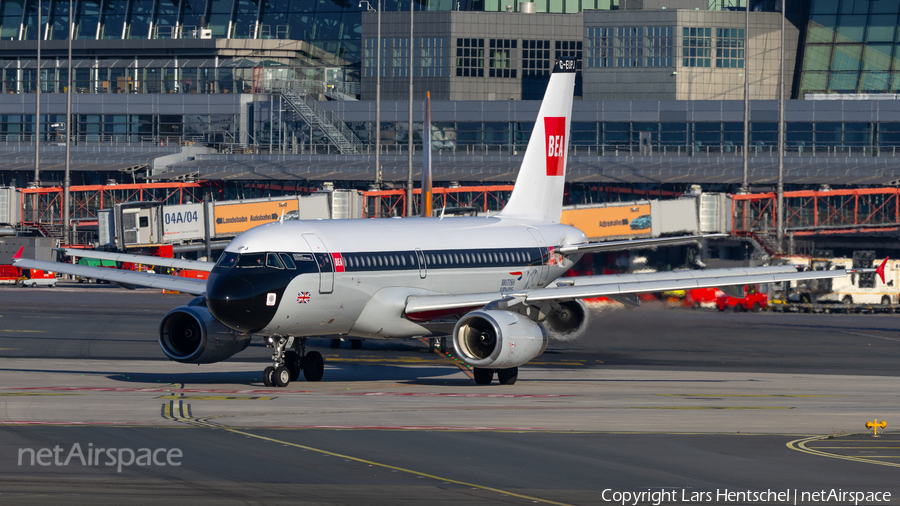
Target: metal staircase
<point x="296" y="95"/>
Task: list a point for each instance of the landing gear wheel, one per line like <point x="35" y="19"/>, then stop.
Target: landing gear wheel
<point x="292" y="362"/>
<point x="508" y="376"/>
<point x="431" y="344"/>
<point x="268" y="374"/>
<point x="335" y="344"/>
<point x="444" y="348"/>
<point x="282" y="376"/>
<point x="483" y="376"/>
<point x="313" y="366"/>
<point x="356" y="344"/>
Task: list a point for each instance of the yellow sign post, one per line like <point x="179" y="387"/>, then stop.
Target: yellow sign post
<point x="875" y="425"/>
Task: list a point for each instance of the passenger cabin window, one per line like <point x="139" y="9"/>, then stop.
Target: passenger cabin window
<point x="251" y="260"/>
<point x="227" y="259"/>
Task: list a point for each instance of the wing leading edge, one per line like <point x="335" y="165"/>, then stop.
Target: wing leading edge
<point x="593" y="247"/>
<point x="604" y="286"/>
<point x="126" y="279"/>
<point x="177" y="263"/>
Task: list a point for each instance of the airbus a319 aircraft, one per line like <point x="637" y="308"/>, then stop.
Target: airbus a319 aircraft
<point x="385" y="278"/>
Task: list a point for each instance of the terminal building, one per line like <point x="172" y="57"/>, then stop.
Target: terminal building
<point x="248" y="90"/>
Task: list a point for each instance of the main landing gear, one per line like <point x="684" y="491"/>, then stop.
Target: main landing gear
<point x="288" y="363"/>
<point x="504" y="376"/>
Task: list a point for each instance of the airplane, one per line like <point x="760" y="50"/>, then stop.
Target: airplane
<point x="385" y="279"/>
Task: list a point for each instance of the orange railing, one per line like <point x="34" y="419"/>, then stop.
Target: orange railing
<point x="393" y="202"/>
<point x="43" y="206"/>
<point x="819" y="211"/>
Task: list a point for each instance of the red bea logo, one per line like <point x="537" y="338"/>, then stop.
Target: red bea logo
<point x="555" y="131"/>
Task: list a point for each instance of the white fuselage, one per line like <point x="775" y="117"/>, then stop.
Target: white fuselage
<point x="378" y="264"/>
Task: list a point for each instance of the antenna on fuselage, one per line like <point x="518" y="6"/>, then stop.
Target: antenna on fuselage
<point x="442" y="213"/>
<point x="281" y="220"/>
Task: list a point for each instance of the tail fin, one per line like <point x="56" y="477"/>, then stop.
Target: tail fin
<point x="880" y="269"/>
<point x="539" y="186"/>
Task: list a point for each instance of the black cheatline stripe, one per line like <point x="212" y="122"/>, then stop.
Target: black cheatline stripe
<point x="513" y="258"/>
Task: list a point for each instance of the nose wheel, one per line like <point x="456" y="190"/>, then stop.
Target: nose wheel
<point x="289" y="359"/>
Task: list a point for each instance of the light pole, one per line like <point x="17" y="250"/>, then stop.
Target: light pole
<point x="377" y="104"/>
<point x="409" y="177"/>
<point x="779" y="209"/>
<point x="744" y="184"/>
<point x="37" y="112"/>
<point x="66" y="180"/>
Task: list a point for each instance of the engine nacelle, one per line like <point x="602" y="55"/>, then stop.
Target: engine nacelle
<point x="570" y="320"/>
<point x="191" y="335"/>
<point x="494" y="339"/>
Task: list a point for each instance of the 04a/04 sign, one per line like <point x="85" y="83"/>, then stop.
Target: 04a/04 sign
<point x="183" y="222"/>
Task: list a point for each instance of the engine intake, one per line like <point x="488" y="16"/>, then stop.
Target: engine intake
<point x="570" y="320"/>
<point x="189" y="334"/>
<point x="498" y="339"/>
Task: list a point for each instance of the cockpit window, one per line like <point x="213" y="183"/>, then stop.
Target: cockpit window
<point x="287" y="261"/>
<point x="251" y="260"/>
<point x="227" y="259"/>
<point x="273" y="261"/>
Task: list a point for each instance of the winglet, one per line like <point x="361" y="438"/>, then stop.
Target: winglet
<point x="18" y="254"/>
<point x="879" y="270"/>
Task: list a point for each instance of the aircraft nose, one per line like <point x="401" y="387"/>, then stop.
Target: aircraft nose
<point x="246" y="303"/>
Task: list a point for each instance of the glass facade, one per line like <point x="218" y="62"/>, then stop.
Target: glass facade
<point x="852" y="46"/>
<point x="641" y="46"/>
<point x="691" y="138"/>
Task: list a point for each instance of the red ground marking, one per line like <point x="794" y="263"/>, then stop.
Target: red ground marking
<point x="438" y="394"/>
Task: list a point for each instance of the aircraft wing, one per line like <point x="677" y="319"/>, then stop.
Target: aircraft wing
<point x="608" y="286"/>
<point x="141" y="259"/>
<point x="126" y="279"/>
<point x="593" y="247"/>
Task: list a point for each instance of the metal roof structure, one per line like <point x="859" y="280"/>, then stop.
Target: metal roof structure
<point x="834" y="170"/>
<point x="17" y="157"/>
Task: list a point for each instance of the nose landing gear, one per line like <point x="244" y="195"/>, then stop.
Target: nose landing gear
<point x="288" y="363"/>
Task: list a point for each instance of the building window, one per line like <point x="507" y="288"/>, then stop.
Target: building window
<point x="696" y="47"/>
<point x="400" y="58"/>
<point x="570" y="48"/>
<point x="729" y="48"/>
<point x="432" y="53"/>
<point x="501" y="58"/>
<point x="658" y="46"/>
<point x="535" y="58"/>
<point x="369" y="58"/>
<point x="470" y="57"/>
<point x="642" y="46"/>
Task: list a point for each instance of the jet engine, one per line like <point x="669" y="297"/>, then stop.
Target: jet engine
<point x="494" y="339"/>
<point x="189" y="334"/>
<point x="568" y="321"/>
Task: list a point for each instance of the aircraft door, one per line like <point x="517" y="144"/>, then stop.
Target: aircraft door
<point x="323" y="260"/>
<point x="423" y="269"/>
<point x="545" y="256"/>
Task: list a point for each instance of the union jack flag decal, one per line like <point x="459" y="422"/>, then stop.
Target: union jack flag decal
<point x="303" y="298"/>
